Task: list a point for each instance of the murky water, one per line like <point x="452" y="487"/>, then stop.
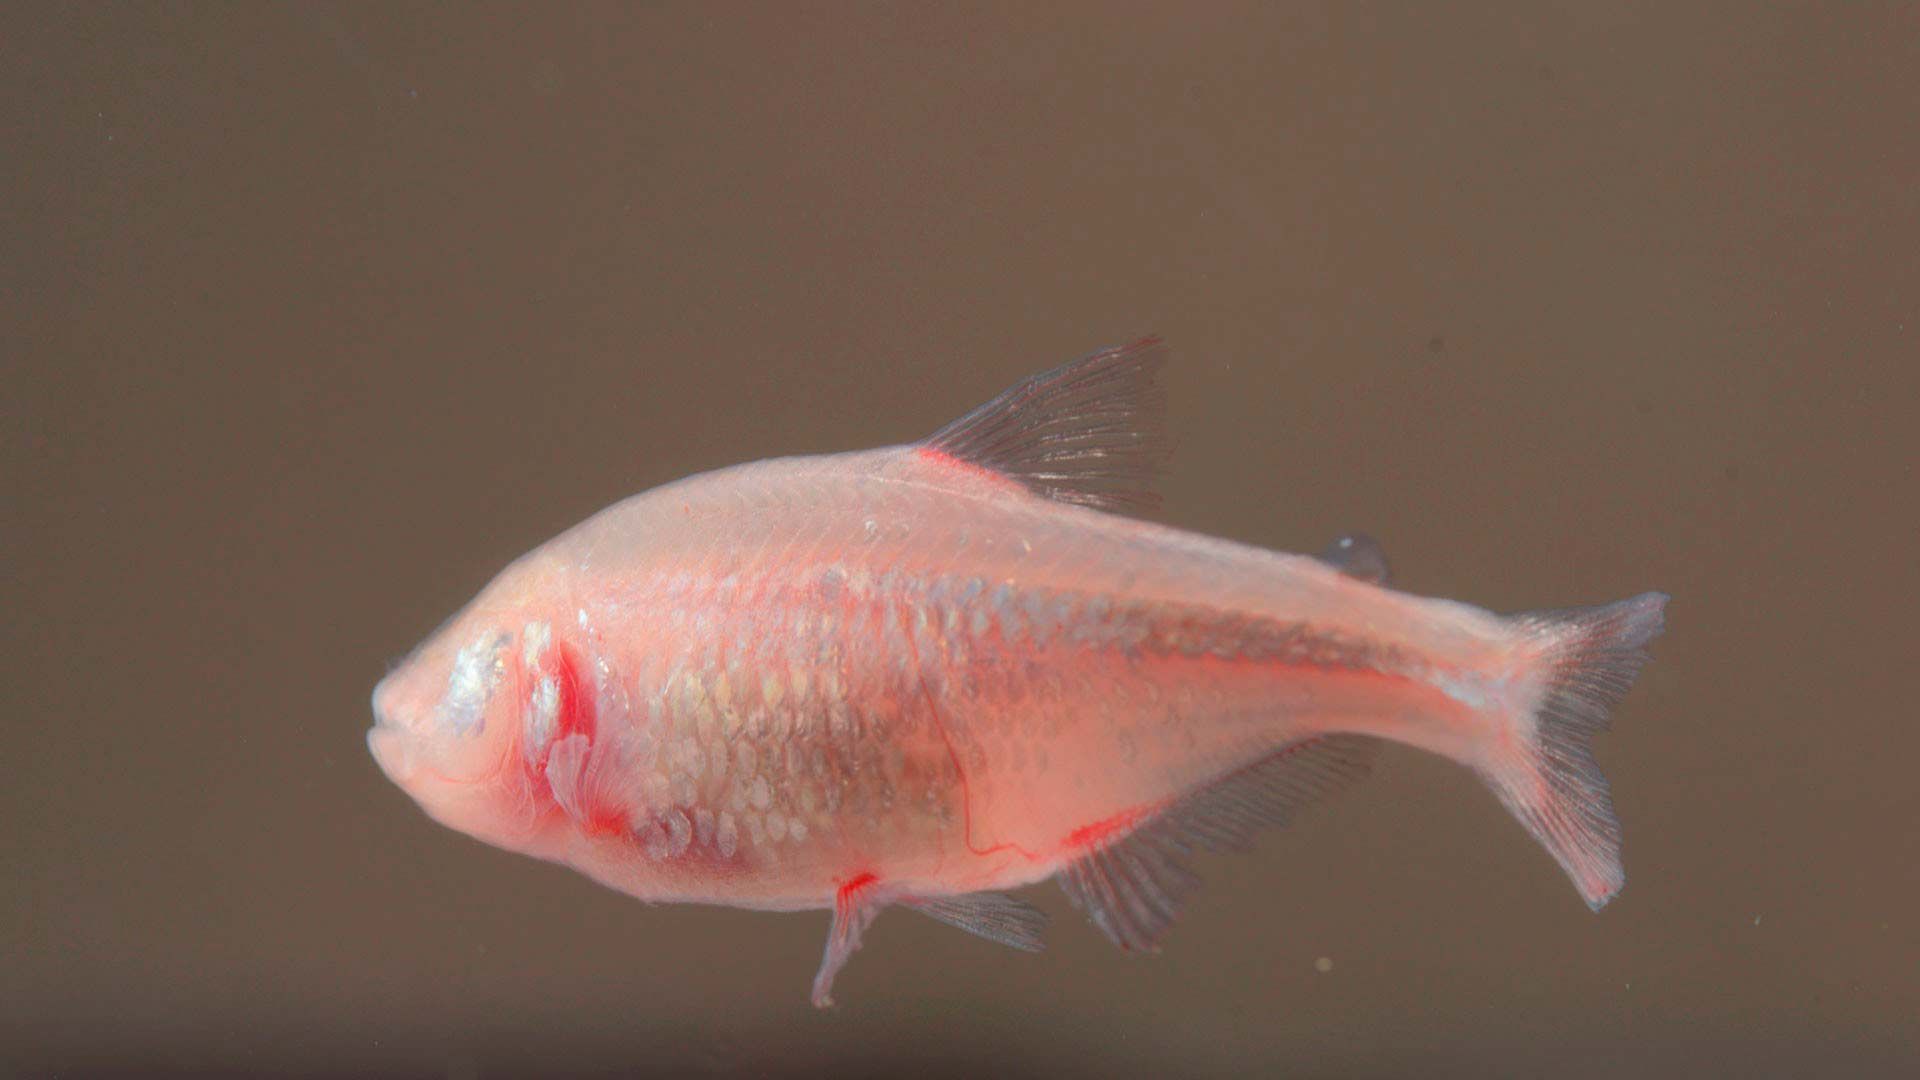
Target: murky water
<point x="315" y="317"/>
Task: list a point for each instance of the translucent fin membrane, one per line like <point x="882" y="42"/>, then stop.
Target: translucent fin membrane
<point x="1133" y="888"/>
<point x="991" y="915"/>
<point x="994" y="916"/>
<point x="1090" y="432"/>
<point x="1549" y="779"/>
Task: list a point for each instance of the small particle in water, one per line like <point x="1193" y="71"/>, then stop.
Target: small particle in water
<point x="1756" y="920"/>
<point x="1323" y="965"/>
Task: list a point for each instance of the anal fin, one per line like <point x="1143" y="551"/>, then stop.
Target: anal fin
<point x="1133" y="887"/>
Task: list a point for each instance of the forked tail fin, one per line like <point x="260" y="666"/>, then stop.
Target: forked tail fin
<point x="1545" y="774"/>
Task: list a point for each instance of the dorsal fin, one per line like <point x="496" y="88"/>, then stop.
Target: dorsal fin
<point x="1132" y="888"/>
<point x="1090" y="432"/>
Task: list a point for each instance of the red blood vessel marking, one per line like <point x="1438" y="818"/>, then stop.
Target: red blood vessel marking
<point x="963" y="465"/>
<point x="1089" y="835"/>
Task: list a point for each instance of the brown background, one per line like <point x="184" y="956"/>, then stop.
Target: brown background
<point x="315" y="316"/>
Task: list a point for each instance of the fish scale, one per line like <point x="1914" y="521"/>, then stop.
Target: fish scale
<point x="928" y="674"/>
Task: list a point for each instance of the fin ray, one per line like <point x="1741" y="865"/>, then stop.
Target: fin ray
<point x="1090" y="432"/>
<point x="1548" y="778"/>
<point x="854" y="910"/>
<point x="1133" y="887"/>
<point x="995" y="916"/>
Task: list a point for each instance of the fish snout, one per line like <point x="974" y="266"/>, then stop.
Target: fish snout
<point x="382" y="701"/>
<point x="388" y="739"/>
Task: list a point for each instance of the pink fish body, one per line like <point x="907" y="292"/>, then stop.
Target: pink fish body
<point x="928" y="674"/>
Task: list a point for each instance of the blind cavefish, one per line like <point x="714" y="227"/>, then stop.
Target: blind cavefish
<point x="928" y="674"/>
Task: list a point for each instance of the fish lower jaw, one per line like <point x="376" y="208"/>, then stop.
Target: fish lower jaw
<point x="389" y="750"/>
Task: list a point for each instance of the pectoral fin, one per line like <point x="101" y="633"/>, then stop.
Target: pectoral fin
<point x="991" y="915"/>
<point x="994" y="916"/>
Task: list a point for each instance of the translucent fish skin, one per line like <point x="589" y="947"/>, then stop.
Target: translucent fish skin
<point x="892" y="663"/>
<point x="926" y="674"/>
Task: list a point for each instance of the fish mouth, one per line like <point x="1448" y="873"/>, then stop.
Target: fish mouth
<point x="389" y="750"/>
<point x="386" y="741"/>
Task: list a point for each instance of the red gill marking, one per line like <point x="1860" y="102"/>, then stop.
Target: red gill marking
<point x="574" y="714"/>
<point x="576" y="709"/>
<point x="578" y="716"/>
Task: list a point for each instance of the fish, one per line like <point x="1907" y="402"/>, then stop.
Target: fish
<point x="928" y="675"/>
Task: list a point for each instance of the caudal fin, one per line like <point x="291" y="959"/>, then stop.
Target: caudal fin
<point x="1546" y="774"/>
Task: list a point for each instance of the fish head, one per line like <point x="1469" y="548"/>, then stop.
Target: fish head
<point x="445" y="719"/>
